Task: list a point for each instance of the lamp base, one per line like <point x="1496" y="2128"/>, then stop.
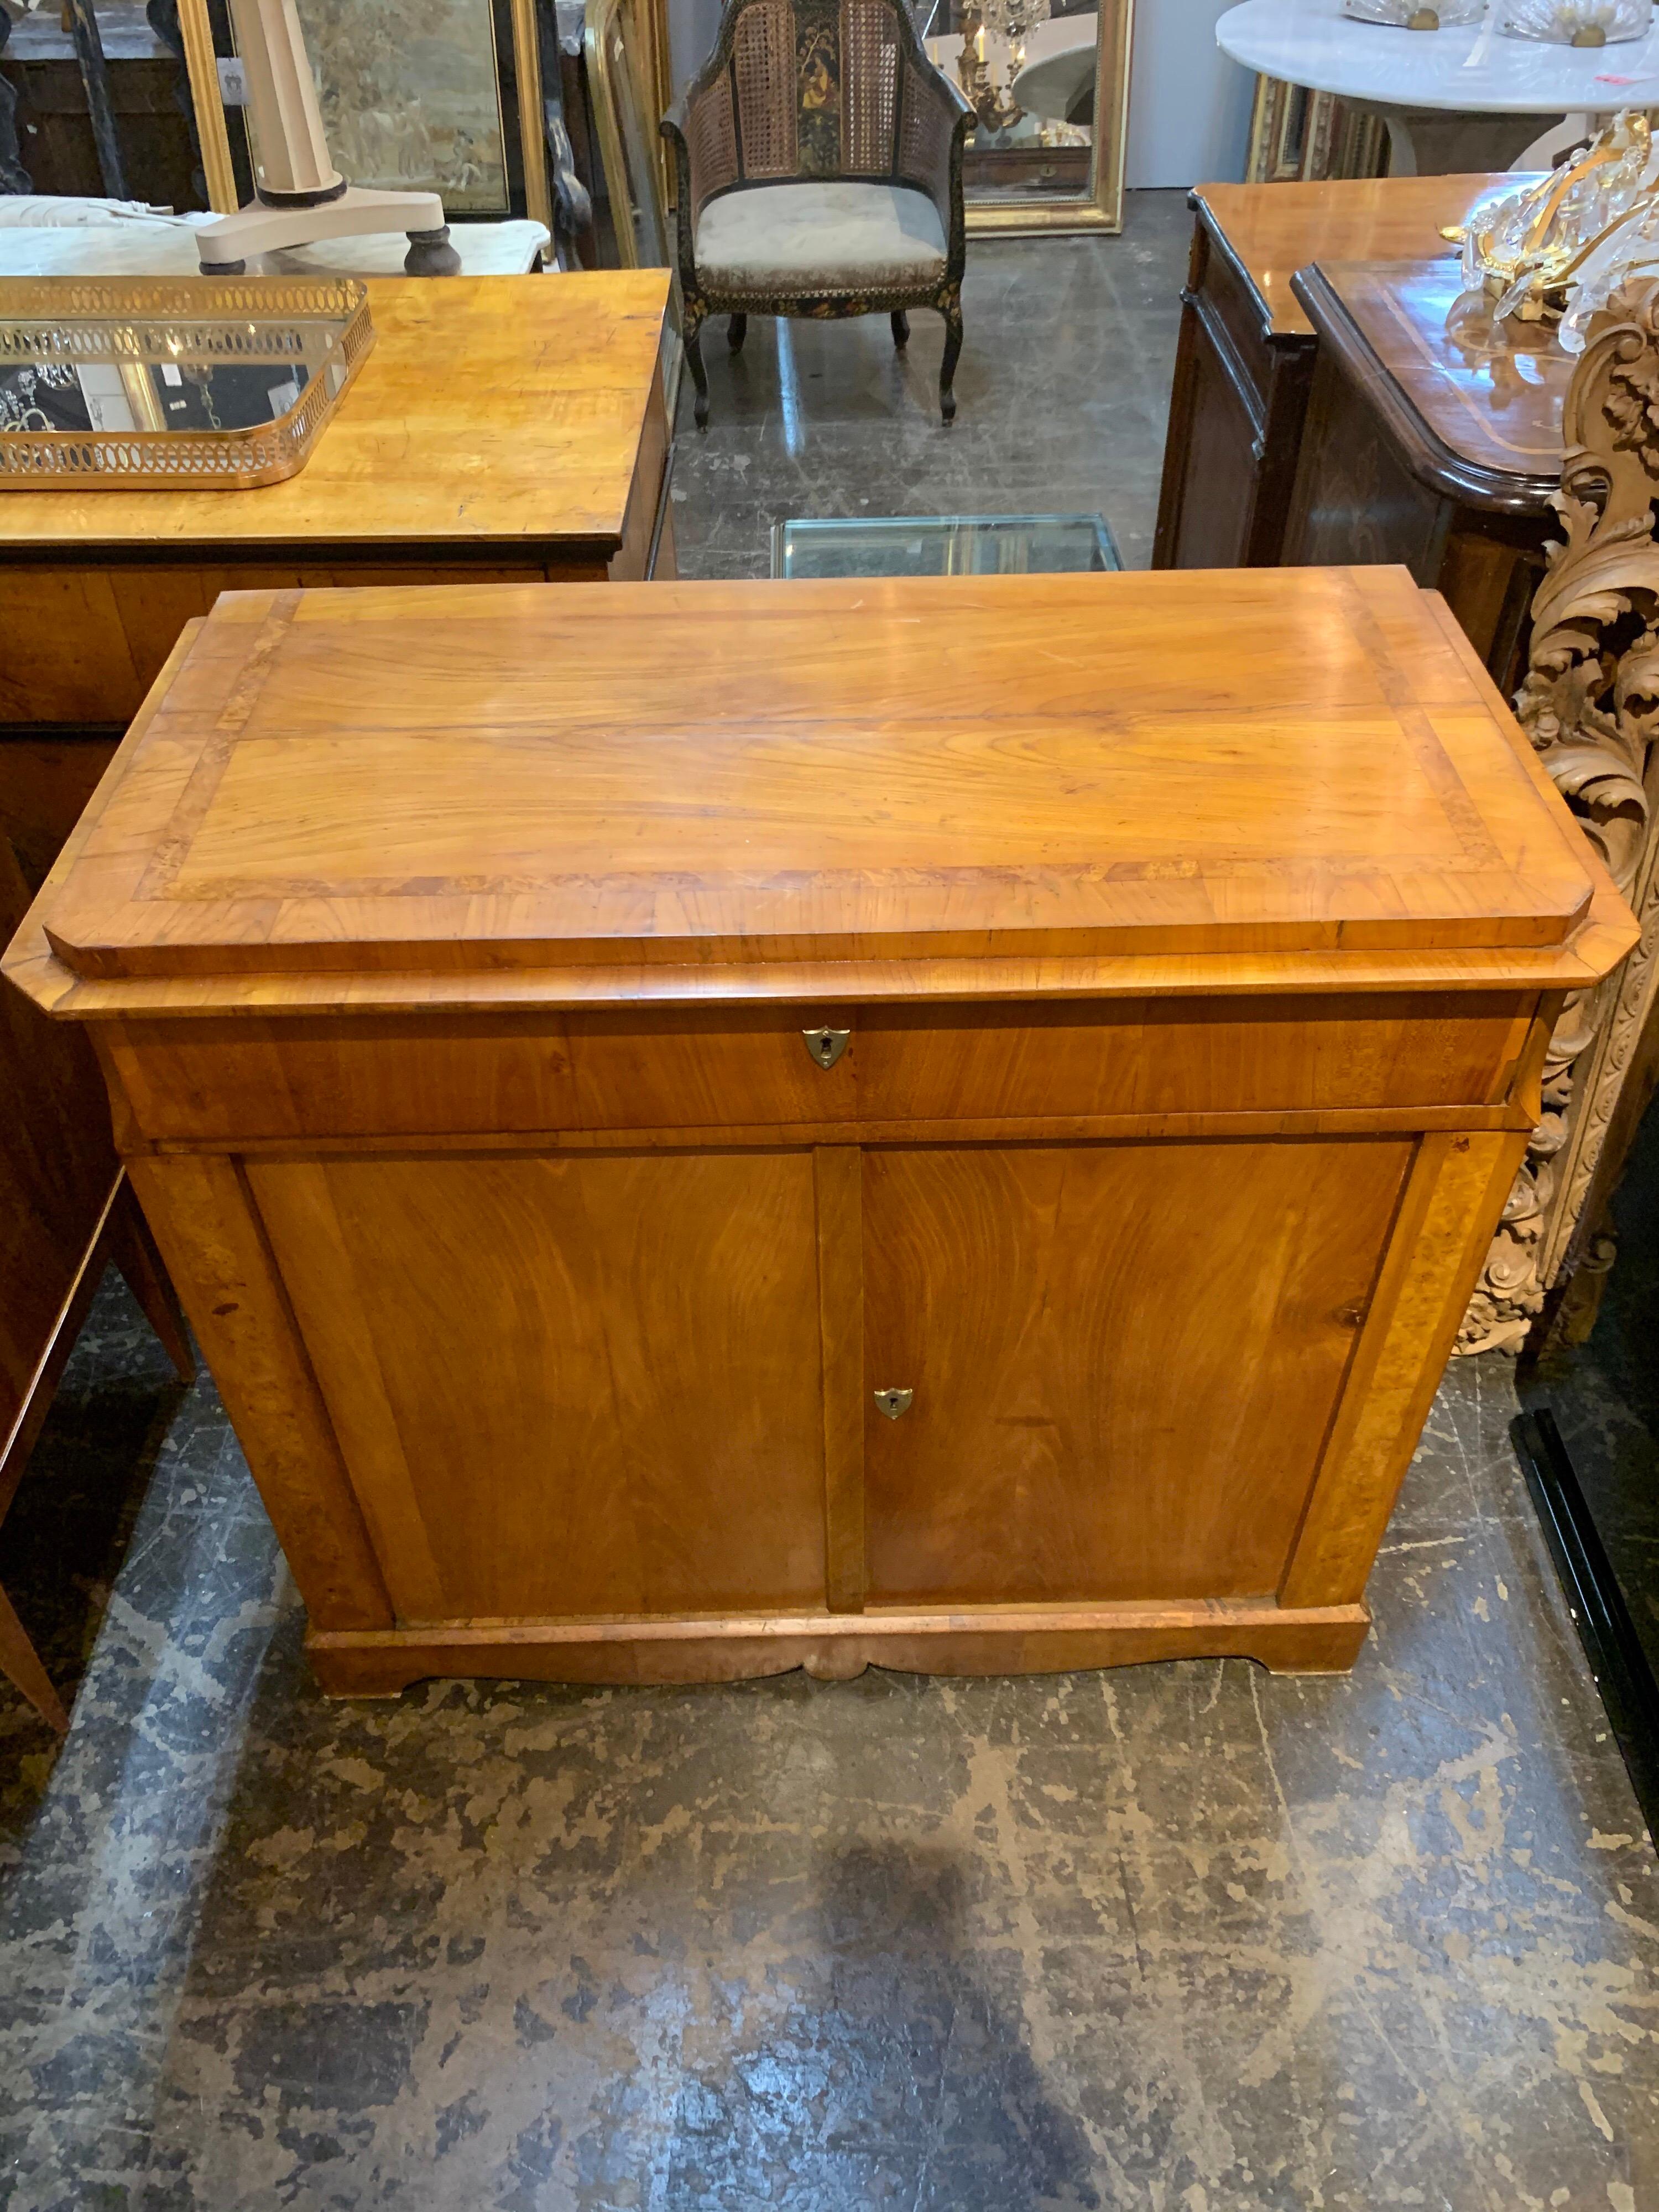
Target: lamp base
<point x="226" y="246"/>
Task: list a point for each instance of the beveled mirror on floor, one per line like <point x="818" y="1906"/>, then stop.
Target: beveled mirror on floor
<point x="1048" y="81"/>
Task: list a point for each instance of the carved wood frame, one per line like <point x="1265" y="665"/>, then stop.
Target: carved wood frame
<point x="540" y="118"/>
<point x="1590" y="706"/>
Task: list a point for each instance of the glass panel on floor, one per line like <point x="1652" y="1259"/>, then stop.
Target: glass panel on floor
<point x="944" y="545"/>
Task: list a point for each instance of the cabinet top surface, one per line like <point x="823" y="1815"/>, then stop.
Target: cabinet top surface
<point x="460" y="780"/>
<point x="1491" y="393"/>
<point x="1273" y="230"/>
<point x="414" y="456"/>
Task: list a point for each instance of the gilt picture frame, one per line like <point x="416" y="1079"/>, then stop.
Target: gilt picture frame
<point x="979" y="43"/>
<point x="521" y="116"/>
<point x="982" y="45"/>
<point x="617" y="57"/>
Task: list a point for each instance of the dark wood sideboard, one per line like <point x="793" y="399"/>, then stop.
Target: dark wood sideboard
<point x="65" y="1213"/>
<point x="1434" y="446"/>
<point x="1244" y="361"/>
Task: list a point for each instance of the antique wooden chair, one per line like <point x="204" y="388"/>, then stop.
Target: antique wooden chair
<point x="819" y="159"/>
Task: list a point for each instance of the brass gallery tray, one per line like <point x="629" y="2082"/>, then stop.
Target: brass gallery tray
<point x="202" y="381"/>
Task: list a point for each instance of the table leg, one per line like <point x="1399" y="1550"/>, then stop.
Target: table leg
<point x="133" y="1251"/>
<point x="1428" y="142"/>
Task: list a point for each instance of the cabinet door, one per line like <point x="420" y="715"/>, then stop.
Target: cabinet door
<point x="582" y="1385"/>
<point x="1125" y="1358"/>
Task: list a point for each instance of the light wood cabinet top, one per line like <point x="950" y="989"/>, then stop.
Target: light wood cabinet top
<point x="698" y="1126"/>
<point x="621" y="791"/>
<point x="1273" y="230"/>
<point x="502" y="410"/>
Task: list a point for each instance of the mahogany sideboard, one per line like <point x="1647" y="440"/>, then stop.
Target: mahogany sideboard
<point x="699" y="1136"/>
<point x="1244" y="359"/>
<point x="1434" y="445"/>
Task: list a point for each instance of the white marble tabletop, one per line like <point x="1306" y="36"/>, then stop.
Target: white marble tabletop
<point x="1471" y="69"/>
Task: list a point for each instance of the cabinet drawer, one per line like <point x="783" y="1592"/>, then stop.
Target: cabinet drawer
<point x="1065" y="1061"/>
<point x="1233" y="316"/>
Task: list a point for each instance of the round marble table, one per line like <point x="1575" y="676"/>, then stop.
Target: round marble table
<point x="1457" y="99"/>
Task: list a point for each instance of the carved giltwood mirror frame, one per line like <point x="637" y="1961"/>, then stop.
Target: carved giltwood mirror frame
<point x="1000" y="52"/>
<point x="1590" y="707"/>
<point x="629" y="152"/>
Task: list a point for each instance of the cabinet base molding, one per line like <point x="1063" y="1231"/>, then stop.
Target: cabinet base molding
<point x="379" y="1663"/>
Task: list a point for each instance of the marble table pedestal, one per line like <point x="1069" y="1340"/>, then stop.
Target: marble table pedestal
<point x="1455" y="101"/>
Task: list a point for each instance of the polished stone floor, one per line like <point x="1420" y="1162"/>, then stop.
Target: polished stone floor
<point x="1062" y="393"/>
<point x="1182" y="1938"/>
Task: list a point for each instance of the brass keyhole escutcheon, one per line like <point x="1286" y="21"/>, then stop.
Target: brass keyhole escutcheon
<point x="827" y="1045"/>
<point x="893" y="1402"/>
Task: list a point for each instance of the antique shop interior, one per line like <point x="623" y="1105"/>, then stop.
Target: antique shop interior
<point x="829" y="1242"/>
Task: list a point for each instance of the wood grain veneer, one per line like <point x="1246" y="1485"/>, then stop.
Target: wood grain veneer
<point x="1431" y="442"/>
<point x="1375" y="803"/>
<point x="447" y="955"/>
<point x="560" y="476"/>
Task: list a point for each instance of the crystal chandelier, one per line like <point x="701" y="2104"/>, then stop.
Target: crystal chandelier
<point x="1007" y="23"/>
<point x="1524" y="246"/>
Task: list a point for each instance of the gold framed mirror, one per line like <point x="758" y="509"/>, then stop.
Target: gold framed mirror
<point x="201" y="66"/>
<point x="1048" y="81"/>
<point x="621" y="89"/>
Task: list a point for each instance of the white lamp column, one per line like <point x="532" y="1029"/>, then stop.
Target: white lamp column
<point x="298" y="195"/>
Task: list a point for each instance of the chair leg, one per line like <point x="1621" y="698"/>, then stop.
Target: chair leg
<point x="950" y="308"/>
<point x="900" y="327"/>
<point x="692" y="338"/>
<point x="737" y="329"/>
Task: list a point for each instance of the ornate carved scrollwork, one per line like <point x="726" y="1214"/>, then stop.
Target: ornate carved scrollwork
<point x="1590" y="706"/>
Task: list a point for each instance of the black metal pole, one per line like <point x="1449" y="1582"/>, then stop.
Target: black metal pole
<point x="13" y="177"/>
<point x="1617" y="1660"/>
<point x="162" y="16"/>
<point x="94" y="78"/>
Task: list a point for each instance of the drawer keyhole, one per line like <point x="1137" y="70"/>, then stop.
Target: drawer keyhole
<point x="827" y="1045"/>
<point x="893" y="1402"/>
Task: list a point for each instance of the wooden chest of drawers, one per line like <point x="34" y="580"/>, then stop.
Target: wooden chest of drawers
<point x="717" y="1128"/>
<point x="1245" y="358"/>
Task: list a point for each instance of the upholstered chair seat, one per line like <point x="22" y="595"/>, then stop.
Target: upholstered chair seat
<point x="848" y="237"/>
<point x="819" y="159"/>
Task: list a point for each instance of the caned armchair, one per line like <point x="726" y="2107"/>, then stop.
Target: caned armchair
<point x="819" y="158"/>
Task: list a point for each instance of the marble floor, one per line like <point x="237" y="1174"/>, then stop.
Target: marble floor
<point x="1181" y="1938"/>
<point x="1062" y="393"/>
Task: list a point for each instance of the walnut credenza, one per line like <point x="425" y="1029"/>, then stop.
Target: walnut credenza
<point x="1437" y="444"/>
<point x="1244" y="360"/>
<point x="700" y="1136"/>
